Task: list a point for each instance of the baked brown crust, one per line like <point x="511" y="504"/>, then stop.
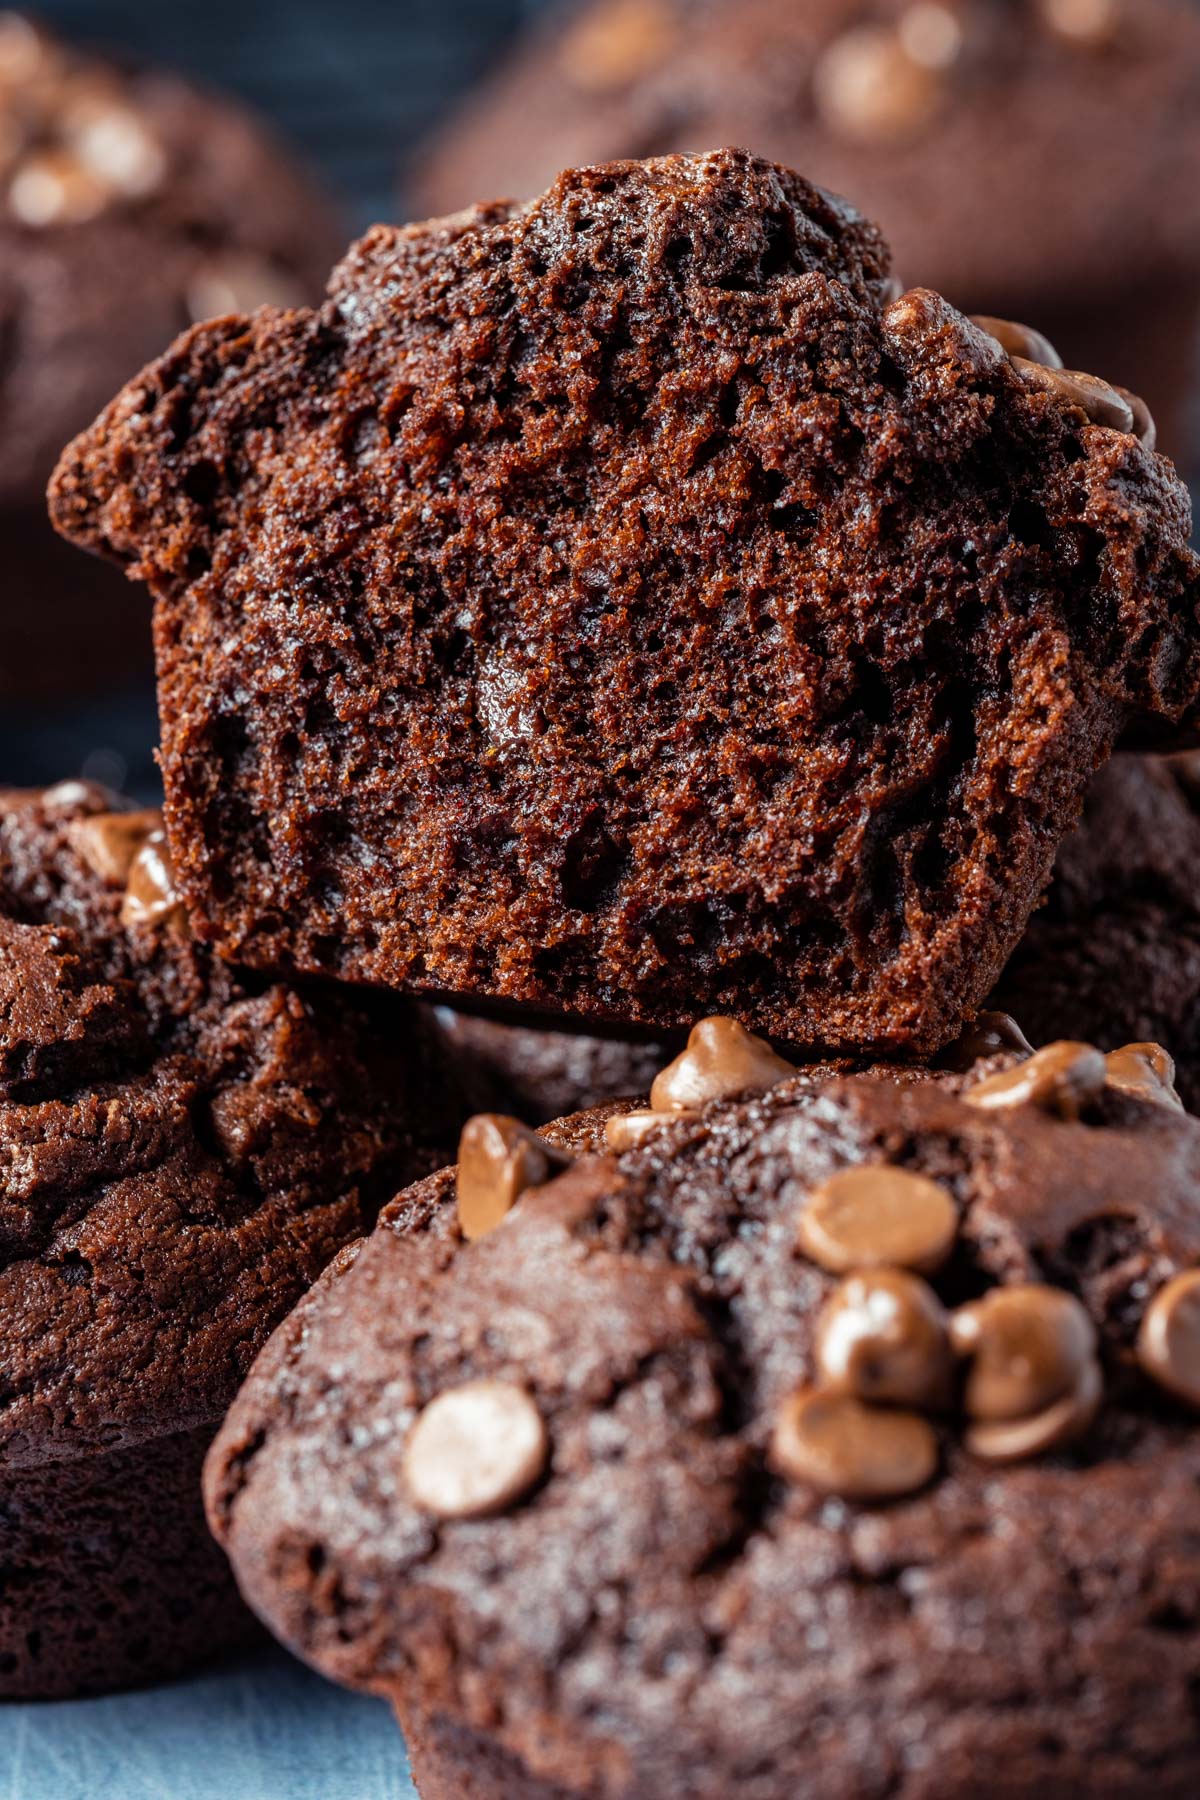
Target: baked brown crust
<point x="1040" y="1615"/>
<point x="614" y="605"/>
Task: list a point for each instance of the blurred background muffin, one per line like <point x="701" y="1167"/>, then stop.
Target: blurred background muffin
<point x="1034" y="159"/>
<point x="131" y="205"/>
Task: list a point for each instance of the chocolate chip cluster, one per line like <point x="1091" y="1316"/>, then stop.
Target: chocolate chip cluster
<point x="71" y="144"/>
<point x="75" y="144"/>
<point x="1020" y="1363"/>
<point x="1014" y="1372"/>
<point x="1040" y="366"/>
<point x="888" y="1352"/>
<point x="881" y="83"/>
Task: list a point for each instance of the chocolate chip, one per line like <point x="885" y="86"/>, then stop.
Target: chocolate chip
<point x="1060" y="1423"/>
<point x="498" y="1159"/>
<point x="837" y="1444"/>
<point x="625" y="1131"/>
<point x="930" y="33"/>
<point x="1144" y="428"/>
<point x="475" y="1450"/>
<point x="990" y="1034"/>
<point x="1019" y="340"/>
<point x="1146" y="1070"/>
<point x="1168" y="1345"/>
<point x="151" y="897"/>
<point x="109" y="842"/>
<point x="1063" y="1078"/>
<point x="878" y="1214"/>
<point x="618" y="44"/>
<point x="883" y="1336"/>
<point x="1028" y="1346"/>
<point x="53" y="187"/>
<point x="1091" y="24"/>
<point x="869" y="87"/>
<point x="65" y="796"/>
<point x="1086" y="393"/>
<point x="116" y="146"/>
<point x="722" y="1059"/>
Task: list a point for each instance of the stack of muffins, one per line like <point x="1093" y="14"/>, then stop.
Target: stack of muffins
<point x="624" y="609"/>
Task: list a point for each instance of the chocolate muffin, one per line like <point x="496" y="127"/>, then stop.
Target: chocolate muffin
<point x="130" y="204"/>
<point x="543" y="1075"/>
<point x="831" y="1438"/>
<point x="182" y="1150"/>
<point x="623" y="605"/>
<point x="1034" y="158"/>
<point x="1114" y="953"/>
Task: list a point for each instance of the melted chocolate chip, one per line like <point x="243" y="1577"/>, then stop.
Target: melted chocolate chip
<point x="1019" y="340"/>
<point x="1063" y="1078"/>
<point x="882" y="1335"/>
<point x="835" y="1443"/>
<point x="1060" y="1423"/>
<point x="1028" y="1347"/>
<point x="498" y="1159"/>
<point x="722" y="1058"/>
<point x="1168" y="1344"/>
<point x="878" y="1214"/>
<point x="475" y="1450"/>
<point x="151" y="897"/>
<point x="109" y="842"/>
<point x="1099" y="400"/>
<point x="1146" y="1070"/>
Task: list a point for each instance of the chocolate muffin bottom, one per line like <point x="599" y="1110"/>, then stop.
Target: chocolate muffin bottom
<point x="109" y="1576"/>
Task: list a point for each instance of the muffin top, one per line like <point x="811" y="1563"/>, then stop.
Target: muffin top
<point x="130" y="204"/>
<point x="181" y="1149"/>
<point x="626" y="605"/>
<point x="848" y="1422"/>
<point x="1018" y="152"/>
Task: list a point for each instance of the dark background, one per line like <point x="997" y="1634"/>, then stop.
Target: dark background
<point x="353" y="84"/>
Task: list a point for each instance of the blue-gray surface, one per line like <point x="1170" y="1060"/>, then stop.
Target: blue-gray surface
<point x="263" y="1729"/>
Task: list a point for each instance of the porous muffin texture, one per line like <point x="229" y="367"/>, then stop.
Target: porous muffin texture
<point x="1114" y="953"/>
<point x="620" y="605"/>
<point x="661" y="1610"/>
<point x="130" y="206"/>
<point x="182" y="1150"/>
<point x="1032" y="158"/>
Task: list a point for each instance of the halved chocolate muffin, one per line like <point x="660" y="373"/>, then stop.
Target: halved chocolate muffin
<point x="627" y="605"/>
